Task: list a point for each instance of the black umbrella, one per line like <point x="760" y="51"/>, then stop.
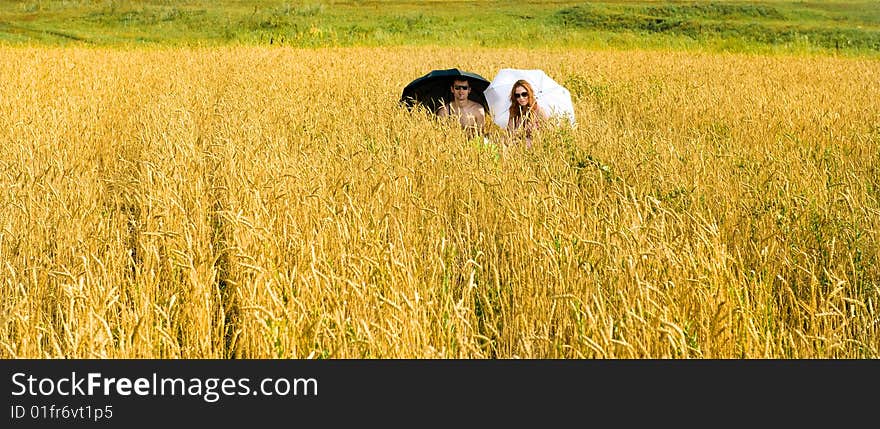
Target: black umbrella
<point x="432" y="89"/>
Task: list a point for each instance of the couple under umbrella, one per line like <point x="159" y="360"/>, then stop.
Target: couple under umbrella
<point x="442" y="90"/>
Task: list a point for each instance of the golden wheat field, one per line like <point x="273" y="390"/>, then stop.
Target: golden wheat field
<point x="270" y="202"/>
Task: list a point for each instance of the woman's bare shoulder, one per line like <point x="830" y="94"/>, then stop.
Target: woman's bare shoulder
<point x="542" y="111"/>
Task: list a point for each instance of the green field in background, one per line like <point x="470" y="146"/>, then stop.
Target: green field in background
<point x="851" y="27"/>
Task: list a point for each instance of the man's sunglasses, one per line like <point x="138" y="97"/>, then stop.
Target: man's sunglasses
<point x="462" y="87"/>
<point x="521" y="94"/>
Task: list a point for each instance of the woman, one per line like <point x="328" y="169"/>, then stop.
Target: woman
<point x="526" y="116"/>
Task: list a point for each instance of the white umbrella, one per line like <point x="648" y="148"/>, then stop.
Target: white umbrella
<point x="550" y="95"/>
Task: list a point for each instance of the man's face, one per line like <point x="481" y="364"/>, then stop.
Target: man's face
<point x="461" y="89"/>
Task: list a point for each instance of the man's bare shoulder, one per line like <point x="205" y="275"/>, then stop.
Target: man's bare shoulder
<point x="474" y="106"/>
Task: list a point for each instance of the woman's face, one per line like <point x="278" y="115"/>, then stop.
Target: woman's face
<point x="521" y="95"/>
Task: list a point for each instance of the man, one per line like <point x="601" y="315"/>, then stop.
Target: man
<point x="471" y="115"/>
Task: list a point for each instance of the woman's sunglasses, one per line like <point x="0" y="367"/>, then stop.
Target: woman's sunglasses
<point x="521" y="94"/>
<point x="462" y="87"/>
